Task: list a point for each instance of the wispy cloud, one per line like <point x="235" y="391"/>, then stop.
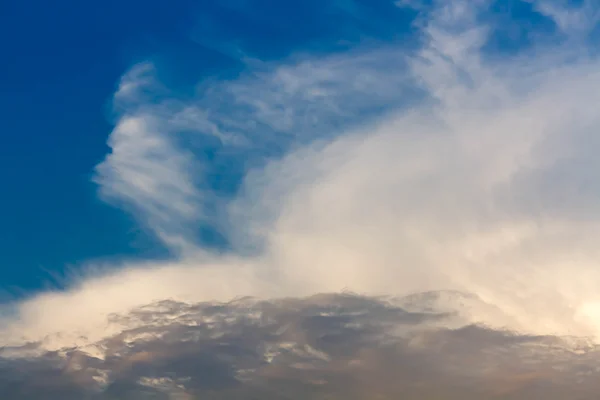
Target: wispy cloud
<point x="146" y="171"/>
<point x="573" y="19"/>
<point x="244" y="122"/>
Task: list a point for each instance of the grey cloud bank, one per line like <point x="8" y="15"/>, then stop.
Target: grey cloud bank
<point x="320" y="347"/>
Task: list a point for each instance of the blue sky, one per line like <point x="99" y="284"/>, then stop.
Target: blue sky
<point x="62" y="63"/>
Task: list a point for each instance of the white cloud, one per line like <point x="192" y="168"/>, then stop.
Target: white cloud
<point x="573" y="19"/>
<point x="147" y="172"/>
<point x="486" y="185"/>
<point x="134" y="82"/>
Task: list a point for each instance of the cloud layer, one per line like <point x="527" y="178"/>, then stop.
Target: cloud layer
<point x="386" y="170"/>
<point x="324" y="346"/>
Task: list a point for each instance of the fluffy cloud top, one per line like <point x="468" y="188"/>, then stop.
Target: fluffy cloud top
<point x="327" y="346"/>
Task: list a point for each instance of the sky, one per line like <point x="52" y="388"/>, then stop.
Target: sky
<point x="403" y="186"/>
<point x="63" y="64"/>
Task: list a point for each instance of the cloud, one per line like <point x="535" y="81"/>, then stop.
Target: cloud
<point x="576" y="20"/>
<point x="146" y="171"/>
<point x="135" y="82"/>
<point x="341" y="345"/>
<point x="387" y="170"/>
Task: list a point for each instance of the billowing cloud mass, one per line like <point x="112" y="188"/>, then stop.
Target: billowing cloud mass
<point x="325" y="346"/>
<point x="454" y="188"/>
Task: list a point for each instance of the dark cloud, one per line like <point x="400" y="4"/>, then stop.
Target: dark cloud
<point x="322" y="347"/>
